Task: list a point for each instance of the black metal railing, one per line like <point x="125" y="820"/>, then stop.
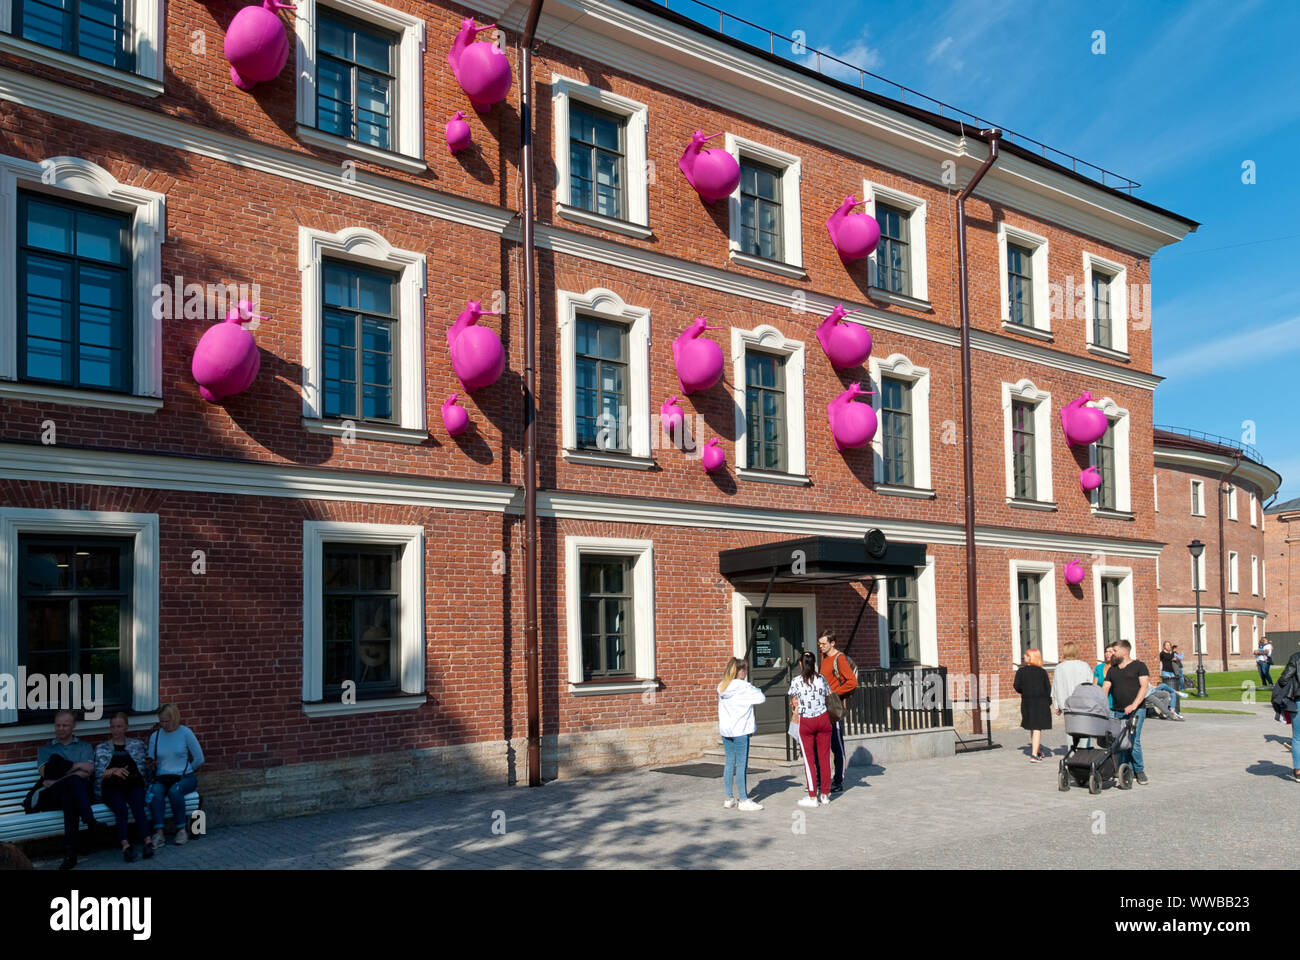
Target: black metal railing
<point x="1250" y="452"/>
<point x="903" y="698"/>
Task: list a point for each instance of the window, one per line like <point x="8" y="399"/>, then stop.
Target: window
<point x="1028" y="470"/>
<point x="74" y="294"/>
<point x="1101" y="329"/>
<point x="359" y="81"/>
<point x="1155" y="492"/>
<point x="602" y="401"/>
<point x="1252" y="509"/>
<point x="1231" y="494"/>
<point x="1106" y="305"/>
<point x="1254" y="576"/>
<point x="768" y="372"/>
<point x="1157" y="573"/>
<point x="1110" y="621"/>
<point x="1236" y="641"/>
<point x="901" y="398"/>
<point x="904" y="621"/>
<point x="1110" y="455"/>
<point x="1198" y="572"/>
<point x="1198" y="637"/>
<point x="607" y="650"/>
<point x="896" y="431"/>
<point x="113" y="41"/>
<point x="361" y="595"/>
<point x="893" y="257"/>
<point x="609" y="614"/>
<point x="1023" y="260"/>
<point x="898" y="265"/>
<point x="1029" y="610"/>
<point x="1033" y="609"/>
<point x="81" y="254"/>
<point x="1105" y="454"/>
<point x="362" y="336"/>
<point x="1020" y="289"/>
<point x="602" y="174"/>
<point x="1113" y="604"/>
<point x="1022" y="447"/>
<point x="355" y="80"/>
<point x="765" y="219"/>
<point x="1232" y="571"/>
<point x="766" y="432"/>
<point x="360" y="341"/>
<point x="1198" y="498"/>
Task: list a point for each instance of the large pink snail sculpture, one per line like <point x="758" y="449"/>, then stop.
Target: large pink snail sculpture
<point x="713" y="456"/>
<point x="482" y="70"/>
<point x="1089" y="479"/>
<point x="455" y="418"/>
<point x="672" y="419"/>
<point x="713" y="173"/>
<point x="854" y="235"/>
<point x="853" y="424"/>
<point x="1074" y="572"/>
<point x="698" y="360"/>
<point x="226" y="359"/>
<point x="477" y="356"/>
<point x="257" y="44"/>
<point x="459" y="135"/>
<point x="847" y="344"/>
<point x="1082" y="424"/>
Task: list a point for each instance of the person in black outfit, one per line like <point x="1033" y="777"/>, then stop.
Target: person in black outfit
<point x="1035" y="689"/>
<point x="66" y="766"/>
<point x="119" y="774"/>
<point x="1127" y="681"/>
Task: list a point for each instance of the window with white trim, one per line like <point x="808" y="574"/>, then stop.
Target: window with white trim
<point x="766" y="226"/>
<point x="118" y="42"/>
<point x="1113" y="604"/>
<point x="359" y="80"/>
<point x="1105" y="285"/>
<point x="1232" y="571"/>
<point x="363" y="616"/>
<point x="1198" y="498"/>
<point x="898" y="264"/>
<point x="1022" y="262"/>
<point x="609" y="614"/>
<point x="1233" y="634"/>
<point x="1231" y="494"/>
<point x="604" y="379"/>
<point x="1198" y="573"/>
<point x="901" y="454"/>
<point x="79" y="593"/>
<point x="65" y="274"/>
<point x="768" y="374"/>
<point x="1254" y="575"/>
<point x="1198" y="637"/>
<point x="1110" y="455"/>
<point x="1033" y="609"/>
<point x="601" y="170"/>
<point x="1040" y="406"/>
<point x="1252" y="510"/>
<point x="1157" y="573"/>
<point x="907" y="620"/>
<point x="1155" y="492"/>
<point x="362" y="336"/>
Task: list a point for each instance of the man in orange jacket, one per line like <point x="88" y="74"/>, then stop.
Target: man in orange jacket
<point x="838" y="669"/>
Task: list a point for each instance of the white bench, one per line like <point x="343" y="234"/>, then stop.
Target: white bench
<point x="17" y="778"/>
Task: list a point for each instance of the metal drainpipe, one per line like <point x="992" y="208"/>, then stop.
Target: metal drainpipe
<point x="968" y="461"/>
<point x="1223" y="577"/>
<point x="530" y="399"/>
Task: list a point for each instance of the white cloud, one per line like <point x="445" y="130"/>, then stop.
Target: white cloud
<point x="939" y="49"/>
<point x="1234" y="350"/>
<point x="859" y="53"/>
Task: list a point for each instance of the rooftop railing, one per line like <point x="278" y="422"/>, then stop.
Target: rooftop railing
<point x="1246" y="449"/>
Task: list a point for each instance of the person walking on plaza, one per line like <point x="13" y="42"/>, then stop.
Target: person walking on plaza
<point x="808" y="702"/>
<point x="1069" y="673"/>
<point x="1286" y="699"/>
<point x="1126" y="683"/>
<point x="119" y="779"/>
<point x="1264" y="660"/>
<point x="841" y="676"/>
<point x="737" y="698"/>
<point x="174" y="755"/>
<point x="1035" y="689"/>
<point x="66" y="766"/>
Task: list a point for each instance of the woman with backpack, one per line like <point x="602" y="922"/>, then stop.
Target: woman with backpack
<point x="808" y="693"/>
<point x="1286" y="700"/>
<point x="737" y="698"/>
<point x="174" y="755"/>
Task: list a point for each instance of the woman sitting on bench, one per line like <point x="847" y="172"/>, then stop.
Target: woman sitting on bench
<point x="119" y="780"/>
<point x="174" y="755"/>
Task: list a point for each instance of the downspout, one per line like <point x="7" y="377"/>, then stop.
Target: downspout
<point x="530" y="399"/>
<point x="968" y="459"/>
<point x="1223" y="577"/>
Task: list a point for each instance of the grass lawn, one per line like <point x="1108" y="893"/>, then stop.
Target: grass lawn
<point x="1241" y="713"/>
<point x="1227" y="687"/>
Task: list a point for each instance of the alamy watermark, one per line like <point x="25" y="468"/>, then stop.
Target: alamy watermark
<point x="79" y="692"/>
<point x="200" y="301"/>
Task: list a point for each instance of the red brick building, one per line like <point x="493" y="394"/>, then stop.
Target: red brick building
<point x="1282" y="569"/>
<point x="248" y="558"/>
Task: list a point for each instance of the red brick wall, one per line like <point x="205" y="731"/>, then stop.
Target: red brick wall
<point x="1282" y="548"/>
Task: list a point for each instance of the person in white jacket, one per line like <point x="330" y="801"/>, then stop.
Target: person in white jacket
<point x="1069" y="673"/>
<point x="736" y="700"/>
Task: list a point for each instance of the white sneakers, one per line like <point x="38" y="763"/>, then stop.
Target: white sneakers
<point x="729" y="803"/>
<point x="182" y="836"/>
<point x="808" y="802"/>
<point x="158" y="839"/>
<point x="748" y="804"/>
<point x="823" y="799"/>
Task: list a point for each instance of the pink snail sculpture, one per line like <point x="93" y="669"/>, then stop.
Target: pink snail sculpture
<point x="713" y="456"/>
<point x="257" y="44"/>
<point x="226" y="359"/>
<point x="1089" y="479"/>
<point x="477" y="357"/>
<point x="854" y="235"/>
<point x="698" y="361"/>
<point x="672" y="419"/>
<point x="847" y="344"/>
<point x="1074" y="572"/>
<point x="713" y="173"/>
<point x="455" y="418"/>
<point x="482" y="70"/>
<point x="1082" y="424"/>
<point x="459" y="135"/>
<point x="853" y="424"/>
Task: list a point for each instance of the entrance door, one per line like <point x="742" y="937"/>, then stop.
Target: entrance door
<point x="778" y="643"/>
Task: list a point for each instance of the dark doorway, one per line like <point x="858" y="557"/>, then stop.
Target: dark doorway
<point x="778" y="642"/>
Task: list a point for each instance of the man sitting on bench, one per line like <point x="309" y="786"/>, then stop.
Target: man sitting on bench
<point x="66" y="766"/>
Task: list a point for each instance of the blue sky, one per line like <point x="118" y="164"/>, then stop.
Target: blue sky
<point x="1184" y="94"/>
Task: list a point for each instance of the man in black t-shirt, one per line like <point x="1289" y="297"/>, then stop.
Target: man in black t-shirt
<point x="1127" y="681"/>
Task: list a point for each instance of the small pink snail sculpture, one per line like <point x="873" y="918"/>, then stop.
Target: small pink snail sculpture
<point x="847" y="344"/>
<point x="853" y="424"/>
<point x="482" y="70"/>
<point x="1074" y="572"/>
<point x="854" y="235"/>
<point x="713" y="173"/>
<point x="257" y="44"/>
<point x="454" y="417"/>
<point x="672" y="419"/>
<point x="459" y="135"/>
<point x="1089" y="479"/>
<point x="477" y="356"/>
<point x="226" y="359"/>
<point x="1082" y="424"/>
<point x="713" y="456"/>
<point x="698" y="361"/>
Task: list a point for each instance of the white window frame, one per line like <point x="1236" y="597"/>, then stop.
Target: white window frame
<point x="410" y="615"/>
<point x="1123" y="468"/>
<point x="143" y="529"/>
<point x="1042" y="400"/>
<point x="1042" y="308"/>
<point x="1198" y="573"/>
<point x="806" y="603"/>
<point x="1234" y="636"/>
<point x="81" y="181"/>
<point x="899" y="367"/>
<point x="407" y="152"/>
<point x="1233" y="581"/>
<point x="791" y="168"/>
<point x="609" y="305"/>
<point x="1198" y="637"/>
<point x="1254" y="575"/>
<point x="1155" y="492"/>
<point x="1254" y="633"/>
<point x="636" y="122"/>
<point x="1157" y="573"/>
<point x="927" y="620"/>
<point x="1231" y="494"/>
<point x="770" y="340"/>
<point x="1046" y="573"/>
<point x="1252" y="509"/>
<point x="145" y="40"/>
<point x="1127" y="615"/>
<point x="1198" y="497"/>
<point x="916" y="221"/>
<point x="365" y="248"/>
<point x="643" y="611"/>
<point x="1118" y="303"/>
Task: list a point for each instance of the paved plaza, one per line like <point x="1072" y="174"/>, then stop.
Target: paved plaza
<point x="1219" y="795"/>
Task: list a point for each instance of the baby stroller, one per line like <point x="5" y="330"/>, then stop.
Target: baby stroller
<point x="1088" y="715"/>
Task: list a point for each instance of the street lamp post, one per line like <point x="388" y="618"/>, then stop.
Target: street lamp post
<point x="1196" y="548"/>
